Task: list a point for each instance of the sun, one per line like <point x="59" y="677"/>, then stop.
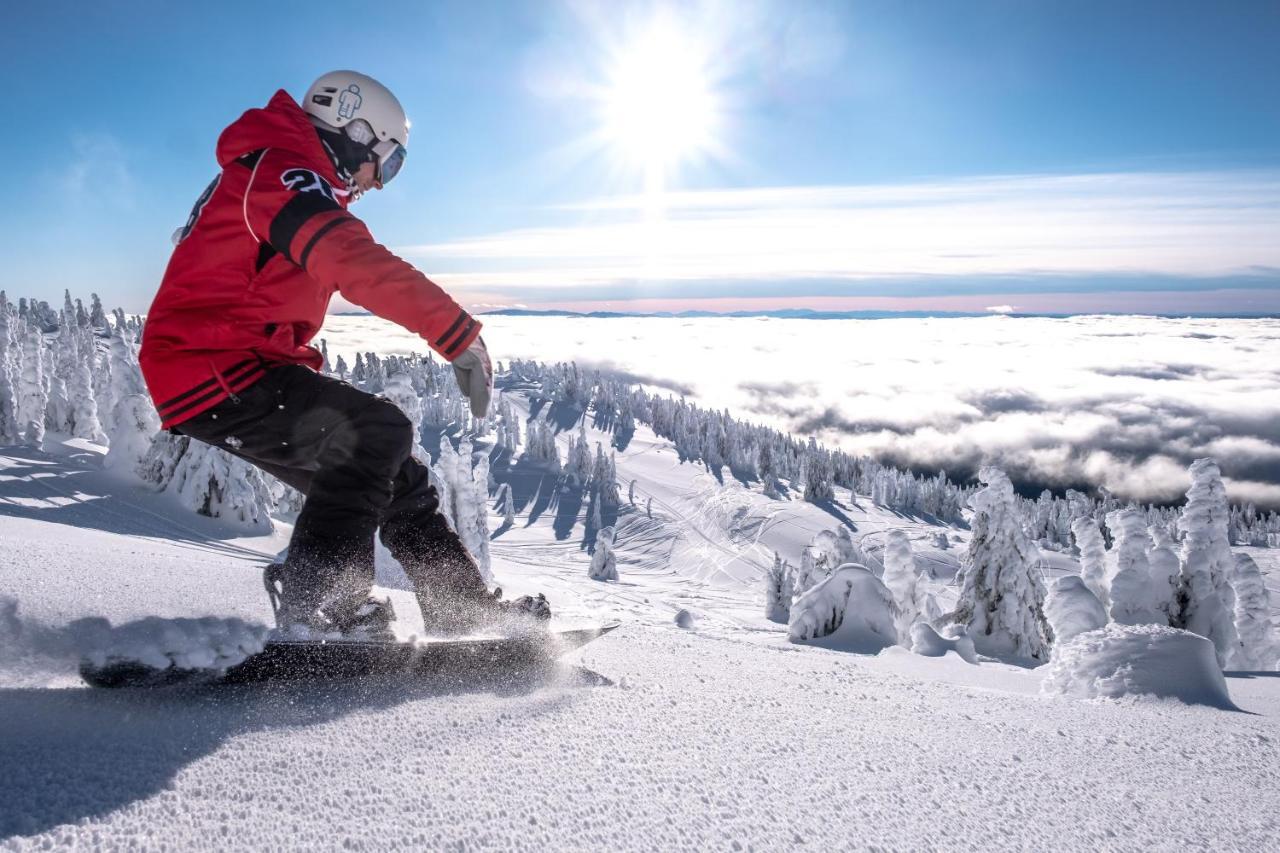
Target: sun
<point x="658" y="104"/>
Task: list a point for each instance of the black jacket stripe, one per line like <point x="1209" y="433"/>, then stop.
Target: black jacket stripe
<point x="315" y="238"/>
<point x="235" y="368"/>
<point x="462" y="337"/>
<point x="296" y="212"/>
<point x="256" y="369"/>
<point x="265" y="253"/>
<point x="462" y="318"/>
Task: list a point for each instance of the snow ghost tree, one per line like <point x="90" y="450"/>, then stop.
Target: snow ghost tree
<point x="1093" y="557"/>
<point x="33" y="395"/>
<point x="507" y="504"/>
<point x="9" y="427"/>
<point x="902" y="579"/>
<point x="852" y="611"/>
<point x="778" y="590"/>
<point x="1129" y="571"/>
<point x="604" y="564"/>
<point x="1002" y="597"/>
<point x="209" y="481"/>
<point x="1162" y="562"/>
<point x="399" y="390"/>
<point x="463" y="484"/>
<point x="1072" y="609"/>
<point x="1258" y="649"/>
<point x="1206" y="602"/>
<point x="133" y="420"/>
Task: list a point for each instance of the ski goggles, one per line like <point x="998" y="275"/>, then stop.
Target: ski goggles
<point x="390" y="156"/>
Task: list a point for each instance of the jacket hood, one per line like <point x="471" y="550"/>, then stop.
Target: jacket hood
<point x="280" y="124"/>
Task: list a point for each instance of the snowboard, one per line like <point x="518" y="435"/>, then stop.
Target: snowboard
<point x="293" y="660"/>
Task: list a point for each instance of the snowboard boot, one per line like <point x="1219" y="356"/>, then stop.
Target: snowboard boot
<point x="483" y="611"/>
<point x="300" y="615"/>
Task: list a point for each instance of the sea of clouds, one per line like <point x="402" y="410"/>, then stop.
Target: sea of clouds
<point x="1124" y="403"/>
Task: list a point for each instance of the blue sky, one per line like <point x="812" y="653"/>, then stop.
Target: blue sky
<point x="1036" y="155"/>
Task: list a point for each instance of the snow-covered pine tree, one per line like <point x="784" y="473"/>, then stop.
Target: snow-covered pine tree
<point x="1093" y="557"/>
<point x="604" y="563"/>
<point x="134" y="421"/>
<point x="1162" y="561"/>
<point x="399" y="390"/>
<point x="506" y="504"/>
<point x="214" y="483"/>
<point x="778" y="590"/>
<point x="1259" y="649"/>
<point x="1205" y="598"/>
<point x="10" y="357"/>
<point x="33" y="396"/>
<point x="340" y="367"/>
<point x="1129" y="572"/>
<point x="1002" y="598"/>
<point x="903" y="581"/>
<point x="579" y="465"/>
<point x="1072" y="609"/>
<point x="84" y="404"/>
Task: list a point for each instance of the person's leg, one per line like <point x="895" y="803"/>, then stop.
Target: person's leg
<point x="421" y="540"/>
<point x="344" y="445"/>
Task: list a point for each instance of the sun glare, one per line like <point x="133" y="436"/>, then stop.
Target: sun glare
<point x="658" y="104"/>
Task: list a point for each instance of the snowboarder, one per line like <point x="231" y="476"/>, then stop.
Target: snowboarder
<point x="227" y="360"/>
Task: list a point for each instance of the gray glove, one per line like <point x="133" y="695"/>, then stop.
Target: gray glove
<point x="475" y="376"/>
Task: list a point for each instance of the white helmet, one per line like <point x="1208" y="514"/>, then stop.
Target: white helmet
<point x="366" y="111"/>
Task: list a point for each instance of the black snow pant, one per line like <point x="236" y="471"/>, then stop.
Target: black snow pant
<point x="348" y="451"/>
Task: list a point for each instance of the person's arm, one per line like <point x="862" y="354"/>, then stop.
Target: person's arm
<point x="293" y="209"/>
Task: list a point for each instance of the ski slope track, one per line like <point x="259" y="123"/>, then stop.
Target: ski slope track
<point x="721" y="735"/>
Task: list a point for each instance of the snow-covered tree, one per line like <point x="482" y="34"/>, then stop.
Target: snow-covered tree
<point x="209" y="481"/>
<point x="1002" y="596"/>
<point x="1093" y="557"/>
<point x="1258" y="649"/>
<point x="579" y="465"/>
<point x="506" y="504"/>
<point x="1162" y="562"/>
<point x="903" y="580"/>
<point x="463" y="485"/>
<point x="134" y="421"/>
<point x="10" y="370"/>
<point x="851" y="610"/>
<point x="1072" y="609"/>
<point x="33" y="395"/>
<point x="604" y="563"/>
<point x="1129" y="571"/>
<point x="1205" y="598"/>
<point x="399" y="390"/>
<point x="779" y="589"/>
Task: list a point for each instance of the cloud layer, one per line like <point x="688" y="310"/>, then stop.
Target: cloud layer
<point x="1119" y="402"/>
<point x="984" y="235"/>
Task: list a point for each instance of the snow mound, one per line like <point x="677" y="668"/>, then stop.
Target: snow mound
<point x="1073" y="608"/>
<point x="684" y="619"/>
<point x="929" y="643"/>
<point x="205" y="643"/>
<point x="1139" y="660"/>
<point x="852" y="610"/>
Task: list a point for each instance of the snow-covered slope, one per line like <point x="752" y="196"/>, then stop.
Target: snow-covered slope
<point x="721" y="735"/>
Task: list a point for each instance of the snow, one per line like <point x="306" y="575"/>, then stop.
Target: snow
<point x="652" y="737"/>
<point x="928" y="642"/>
<point x="1139" y="660"/>
<point x="852" y="610"/>
<point x="1073" y="609"/>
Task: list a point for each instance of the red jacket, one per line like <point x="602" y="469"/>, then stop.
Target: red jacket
<point x="266" y="247"/>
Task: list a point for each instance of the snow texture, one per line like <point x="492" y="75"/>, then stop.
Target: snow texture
<point x="1073" y="609"/>
<point x="850" y="611"/>
<point x="1139" y="660"/>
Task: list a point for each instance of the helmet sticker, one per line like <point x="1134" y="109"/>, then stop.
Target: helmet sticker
<point x="349" y="100"/>
<point x="307" y="181"/>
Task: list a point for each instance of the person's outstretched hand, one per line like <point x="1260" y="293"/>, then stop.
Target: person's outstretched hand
<point x="475" y="377"/>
